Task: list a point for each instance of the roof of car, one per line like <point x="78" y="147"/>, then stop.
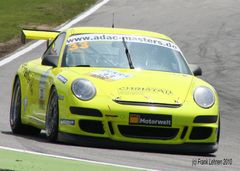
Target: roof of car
<point x="107" y="30"/>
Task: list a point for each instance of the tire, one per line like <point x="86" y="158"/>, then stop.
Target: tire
<point x="15" y="113"/>
<point x="52" y="117"/>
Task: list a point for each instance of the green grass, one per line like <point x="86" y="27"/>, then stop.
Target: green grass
<point x="20" y="161"/>
<point x="17" y="14"/>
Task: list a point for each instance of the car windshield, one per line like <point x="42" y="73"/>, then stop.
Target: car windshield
<point x="119" y="51"/>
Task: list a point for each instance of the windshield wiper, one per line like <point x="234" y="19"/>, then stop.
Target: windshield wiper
<point x="128" y="54"/>
<point x="82" y="66"/>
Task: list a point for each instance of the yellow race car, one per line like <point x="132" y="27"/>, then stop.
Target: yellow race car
<point x="125" y="85"/>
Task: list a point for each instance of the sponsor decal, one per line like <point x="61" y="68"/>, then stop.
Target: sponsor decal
<point x="60" y="97"/>
<point x="28" y="76"/>
<point x="62" y="79"/>
<point x="134" y="119"/>
<point x="67" y="122"/>
<point x="143" y="90"/>
<point x="118" y="37"/>
<point x="150" y="119"/>
<point x="42" y="89"/>
<point x="84" y="45"/>
<point x="110" y="75"/>
<point x="75" y="46"/>
<point x="25" y="102"/>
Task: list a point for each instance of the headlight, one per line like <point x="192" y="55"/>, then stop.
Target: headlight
<point x="204" y="97"/>
<point x="83" y="89"/>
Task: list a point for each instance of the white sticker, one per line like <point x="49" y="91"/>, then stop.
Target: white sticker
<point x="119" y="37"/>
<point x="109" y="75"/>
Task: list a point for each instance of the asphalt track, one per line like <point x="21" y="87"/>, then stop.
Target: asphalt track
<point x="208" y="32"/>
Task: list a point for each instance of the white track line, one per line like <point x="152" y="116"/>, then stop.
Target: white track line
<point x="71" y="23"/>
<point x="71" y="158"/>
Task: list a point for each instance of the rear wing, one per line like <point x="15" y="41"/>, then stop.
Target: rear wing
<point x="38" y="35"/>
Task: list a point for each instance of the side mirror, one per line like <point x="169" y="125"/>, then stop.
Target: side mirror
<point x="197" y="71"/>
<point x="50" y="60"/>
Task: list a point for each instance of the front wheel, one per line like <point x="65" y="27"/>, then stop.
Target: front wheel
<point x="15" y="113"/>
<point x="52" y="117"/>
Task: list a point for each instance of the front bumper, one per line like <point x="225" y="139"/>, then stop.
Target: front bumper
<point x="98" y="142"/>
<point x="111" y="120"/>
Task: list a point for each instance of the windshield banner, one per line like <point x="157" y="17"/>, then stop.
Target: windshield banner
<point x="119" y="37"/>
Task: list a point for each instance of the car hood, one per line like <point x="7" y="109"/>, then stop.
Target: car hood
<point x="132" y="85"/>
